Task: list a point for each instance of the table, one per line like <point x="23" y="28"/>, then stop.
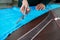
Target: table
<point x="51" y="32"/>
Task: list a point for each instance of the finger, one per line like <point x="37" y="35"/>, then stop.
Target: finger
<point x="38" y="7"/>
<point x="27" y="9"/>
<point x="41" y="7"/>
<point x="22" y="9"/>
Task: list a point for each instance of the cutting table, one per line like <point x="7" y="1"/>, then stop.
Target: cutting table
<point x="51" y="32"/>
<point x="9" y="17"/>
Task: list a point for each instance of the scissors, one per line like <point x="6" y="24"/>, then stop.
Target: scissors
<point x="21" y="18"/>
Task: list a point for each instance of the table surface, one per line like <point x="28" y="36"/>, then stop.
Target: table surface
<point x="51" y="32"/>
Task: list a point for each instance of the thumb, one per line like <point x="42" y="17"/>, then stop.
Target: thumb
<point x="28" y="9"/>
<point x="22" y="8"/>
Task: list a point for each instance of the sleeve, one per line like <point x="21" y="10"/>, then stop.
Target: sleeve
<point x="45" y="1"/>
<point x="19" y="3"/>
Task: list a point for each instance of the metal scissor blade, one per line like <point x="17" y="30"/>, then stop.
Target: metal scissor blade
<point x="22" y="16"/>
<point x="20" y="19"/>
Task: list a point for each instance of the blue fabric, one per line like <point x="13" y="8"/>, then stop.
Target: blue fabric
<point x="9" y="17"/>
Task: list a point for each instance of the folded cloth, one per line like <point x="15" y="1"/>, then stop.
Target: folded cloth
<point x="9" y="17"/>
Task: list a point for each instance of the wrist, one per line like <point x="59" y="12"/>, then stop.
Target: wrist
<point x="24" y="1"/>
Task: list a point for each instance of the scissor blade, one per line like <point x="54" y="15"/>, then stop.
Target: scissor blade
<point x="21" y="18"/>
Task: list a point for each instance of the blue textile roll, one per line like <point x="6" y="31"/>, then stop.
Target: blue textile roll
<point x="9" y="17"/>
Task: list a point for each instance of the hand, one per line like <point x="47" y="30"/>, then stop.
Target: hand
<point x="40" y="6"/>
<point x="24" y="5"/>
